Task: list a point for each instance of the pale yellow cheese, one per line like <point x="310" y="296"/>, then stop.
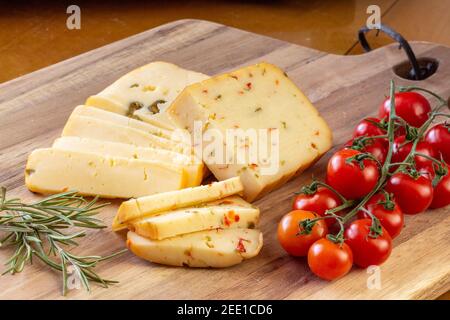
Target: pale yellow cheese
<point x="259" y="97"/>
<point x="101" y="114"/>
<point x="151" y="205"/>
<point x="173" y="223"/>
<point x="87" y="127"/>
<point x="193" y="167"/>
<point x="214" y="248"/>
<point x="152" y="87"/>
<point x="54" y="171"/>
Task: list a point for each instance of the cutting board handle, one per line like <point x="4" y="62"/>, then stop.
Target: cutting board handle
<point x="418" y="69"/>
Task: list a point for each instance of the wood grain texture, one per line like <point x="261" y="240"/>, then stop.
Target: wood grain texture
<point x="34" y="108"/>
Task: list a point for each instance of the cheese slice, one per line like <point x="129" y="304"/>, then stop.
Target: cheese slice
<point x="54" y="171"/>
<point x="215" y="248"/>
<point x="151" y="205"/>
<point x="193" y="167"/>
<point x="122" y="120"/>
<point x="146" y="92"/>
<point x="86" y="127"/>
<point x="255" y="99"/>
<point x="187" y="220"/>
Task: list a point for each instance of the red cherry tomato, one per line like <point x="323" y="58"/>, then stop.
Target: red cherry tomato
<point x="400" y="151"/>
<point x="391" y="218"/>
<point x="329" y="260"/>
<point x="411" y="106"/>
<point x="367" y="127"/>
<point x="351" y="179"/>
<point x="319" y="202"/>
<point x="439" y="138"/>
<point x="288" y="228"/>
<point x="413" y="195"/>
<point x="367" y="250"/>
<point x="441" y="193"/>
<point x="376" y="147"/>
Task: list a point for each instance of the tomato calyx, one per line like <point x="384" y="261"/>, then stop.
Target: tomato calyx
<point x="375" y="228"/>
<point x="441" y="170"/>
<point x="337" y="238"/>
<point x="315" y="184"/>
<point x="306" y="226"/>
<point x="382" y="124"/>
<point x="359" y="159"/>
<point x="360" y="143"/>
<point x="388" y="202"/>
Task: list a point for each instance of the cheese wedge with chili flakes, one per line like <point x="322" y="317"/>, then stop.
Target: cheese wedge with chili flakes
<point x="152" y="205"/>
<point x="193" y="167"/>
<point x="193" y="219"/>
<point x="251" y="100"/>
<point x="146" y="92"/>
<point x="53" y="171"/>
<point x="87" y="127"/>
<point x="219" y="248"/>
<point x="101" y="114"/>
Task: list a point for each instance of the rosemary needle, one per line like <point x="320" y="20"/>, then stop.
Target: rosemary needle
<point x="36" y="230"/>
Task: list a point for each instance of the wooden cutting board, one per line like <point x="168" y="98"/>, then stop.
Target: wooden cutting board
<point x="34" y="108"/>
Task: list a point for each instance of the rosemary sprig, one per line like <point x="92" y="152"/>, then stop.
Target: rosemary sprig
<point x="35" y="230"/>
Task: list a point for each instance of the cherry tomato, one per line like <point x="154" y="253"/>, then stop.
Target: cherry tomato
<point x="329" y="260"/>
<point x="439" y="138"/>
<point x="400" y="151"/>
<point x="298" y="245"/>
<point x="411" y="106"/>
<point x="391" y="218"/>
<point x="319" y="202"/>
<point x="441" y="193"/>
<point x="367" y="250"/>
<point x="367" y="127"/>
<point x="413" y="194"/>
<point x="350" y="178"/>
<point x="376" y="147"/>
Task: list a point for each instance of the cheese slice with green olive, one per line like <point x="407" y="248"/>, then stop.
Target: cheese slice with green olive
<point x="87" y="127"/>
<point x="146" y="92"/>
<point x="258" y="101"/>
<point x="54" y="170"/>
<point x="122" y="120"/>
<point x="218" y="248"/>
<point x="193" y="167"/>
<point x="154" y="204"/>
<point x="187" y="220"/>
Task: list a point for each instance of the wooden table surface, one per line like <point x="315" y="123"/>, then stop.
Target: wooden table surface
<point x="34" y="35"/>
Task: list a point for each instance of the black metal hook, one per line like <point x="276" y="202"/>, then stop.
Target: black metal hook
<point x="417" y="73"/>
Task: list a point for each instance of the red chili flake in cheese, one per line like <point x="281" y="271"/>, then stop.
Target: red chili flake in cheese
<point x="249" y="85"/>
<point x="237" y="218"/>
<point x="226" y="221"/>
<point x="240" y="246"/>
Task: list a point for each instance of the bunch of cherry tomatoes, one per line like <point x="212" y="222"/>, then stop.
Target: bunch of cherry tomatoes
<point x="393" y="165"/>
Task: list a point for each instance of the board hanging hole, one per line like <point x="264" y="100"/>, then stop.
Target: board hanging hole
<point x="413" y="69"/>
<point x="427" y="67"/>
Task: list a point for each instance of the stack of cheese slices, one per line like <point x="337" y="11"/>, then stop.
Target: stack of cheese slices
<point x="114" y="154"/>
<point x="125" y="142"/>
<point x="205" y="226"/>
